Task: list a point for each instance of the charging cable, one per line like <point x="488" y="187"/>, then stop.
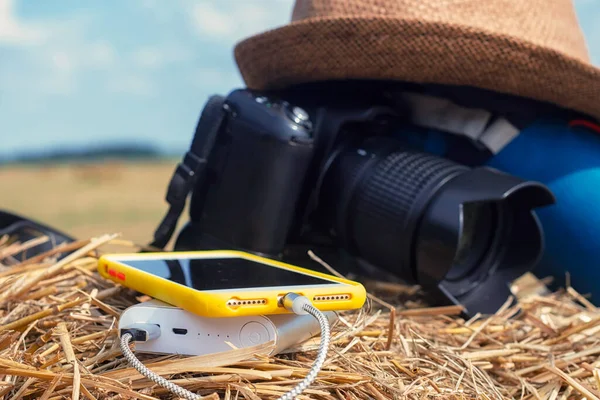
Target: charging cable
<point x="293" y="302"/>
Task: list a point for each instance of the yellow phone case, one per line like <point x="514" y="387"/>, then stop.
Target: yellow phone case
<point x="348" y="295"/>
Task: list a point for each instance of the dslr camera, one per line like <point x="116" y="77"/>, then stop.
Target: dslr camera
<point x="276" y="174"/>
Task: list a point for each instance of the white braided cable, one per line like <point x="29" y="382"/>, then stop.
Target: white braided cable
<point x="301" y="306"/>
<point x="137" y="364"/>
<point x="323" y="347"/>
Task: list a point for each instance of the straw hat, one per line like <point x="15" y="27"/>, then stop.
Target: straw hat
<point x="529" y="48"/>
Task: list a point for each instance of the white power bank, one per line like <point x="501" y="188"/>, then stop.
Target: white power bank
<point x="189" y="334"/>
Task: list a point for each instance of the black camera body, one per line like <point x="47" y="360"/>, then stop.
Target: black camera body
<point x="255" y="173"/>
<point x="274" y="177"/>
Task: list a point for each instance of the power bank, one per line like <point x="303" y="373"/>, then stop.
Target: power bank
<point x="189" y="334"/>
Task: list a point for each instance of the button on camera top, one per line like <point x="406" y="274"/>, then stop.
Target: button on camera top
<point x="267" y="102"/>
<point x="298" y="115"/>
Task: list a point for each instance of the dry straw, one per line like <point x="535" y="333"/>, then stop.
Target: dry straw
<point x="58" y="341"/>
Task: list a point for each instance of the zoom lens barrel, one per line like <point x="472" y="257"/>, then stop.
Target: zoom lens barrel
<point x="454" y="230"/>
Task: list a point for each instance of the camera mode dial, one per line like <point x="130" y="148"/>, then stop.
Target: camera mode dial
<point x="294" y="114"/>
<point x="297" y="114"/>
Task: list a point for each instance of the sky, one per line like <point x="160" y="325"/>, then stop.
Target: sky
<point x="82" y="72"/>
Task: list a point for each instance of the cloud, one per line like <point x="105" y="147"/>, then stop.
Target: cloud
<point x="148" y="57"/>
<point x="58" y="84"/>
<point x="207" y="78"/>
<point x="100" y="54"/>
<point x="117" y="69"/>
<point x="208" y="19"/>
<point x="13" y="31"/>
<point x="62" y="62"/>
<point x="235" y="20"/>
<point x="131" y="84"/>
<point x="49" y="53"/>
<point x="164" y="12"/>
<point x="159" y="56"/>
<point x="77" y="56"/>
<point x="54" y="55"/>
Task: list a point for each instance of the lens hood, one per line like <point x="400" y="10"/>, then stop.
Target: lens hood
<point x="508" y="237"/>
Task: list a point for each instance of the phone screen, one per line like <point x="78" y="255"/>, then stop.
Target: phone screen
<point x="224" y="273"/>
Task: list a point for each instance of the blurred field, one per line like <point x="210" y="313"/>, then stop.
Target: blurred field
<point x="91" y="199"/>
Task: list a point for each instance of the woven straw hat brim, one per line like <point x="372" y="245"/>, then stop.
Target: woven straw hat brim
<point x="416" y="51"/>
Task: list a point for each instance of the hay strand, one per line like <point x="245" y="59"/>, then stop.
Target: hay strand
<point x="58" y="339"/>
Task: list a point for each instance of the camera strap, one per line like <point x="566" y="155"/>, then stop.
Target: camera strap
<point x="190" y="168"/>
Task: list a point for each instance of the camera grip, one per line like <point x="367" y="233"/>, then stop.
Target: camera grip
<point x="255" y="174"/>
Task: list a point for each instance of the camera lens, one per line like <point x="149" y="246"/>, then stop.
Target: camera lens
<point x="433" y="222"/>
<point x="478" y="222"/>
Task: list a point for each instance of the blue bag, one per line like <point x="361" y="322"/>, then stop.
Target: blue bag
<point x="565" y="157"/>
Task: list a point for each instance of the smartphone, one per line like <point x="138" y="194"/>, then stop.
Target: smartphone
<point x="223" y="283"/>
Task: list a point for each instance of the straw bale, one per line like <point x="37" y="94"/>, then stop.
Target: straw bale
<point x="58" y="340"/>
